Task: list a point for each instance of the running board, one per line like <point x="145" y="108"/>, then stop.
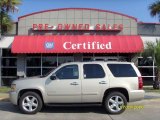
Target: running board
<point x="73" y="105"/>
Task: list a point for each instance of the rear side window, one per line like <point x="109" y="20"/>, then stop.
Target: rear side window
<point x="122" y="70"/>
<point x="93" y="71"/>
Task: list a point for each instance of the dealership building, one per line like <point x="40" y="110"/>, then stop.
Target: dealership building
<point x="43" y="40"/>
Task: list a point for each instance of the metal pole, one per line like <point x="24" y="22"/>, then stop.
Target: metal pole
<point x="1" y="24"/>
<point x="153" y="70"/>
<point x="0" y="67"/>
<point x="41" y="65"/>
<point x="1" y="49"/>
<point x="1" y="12"/>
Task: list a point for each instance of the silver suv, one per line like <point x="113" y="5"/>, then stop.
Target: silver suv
<point x="111" y="84"/>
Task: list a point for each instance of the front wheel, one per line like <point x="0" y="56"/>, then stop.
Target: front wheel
<point x="115" y="103"/>
<point x="30" y="103"/>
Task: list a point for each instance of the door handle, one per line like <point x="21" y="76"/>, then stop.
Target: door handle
<point x="102" y="82"/>
<point x="74" y="83"/>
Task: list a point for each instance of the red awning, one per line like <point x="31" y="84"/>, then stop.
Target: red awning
<point x="77" y="44"/>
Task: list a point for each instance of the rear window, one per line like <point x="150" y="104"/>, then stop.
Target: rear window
<point x="122" y="70"/>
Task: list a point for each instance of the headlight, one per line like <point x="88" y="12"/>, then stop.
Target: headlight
<point x="13" y="87"/>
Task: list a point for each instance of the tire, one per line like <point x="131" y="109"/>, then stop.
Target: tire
<point x="112" y="106"/>
<point x="30" y="103"/>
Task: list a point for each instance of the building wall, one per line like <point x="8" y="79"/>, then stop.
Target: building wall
<point x="149" y="29"/>
<point x="76" y="16"/>
<point x="149" y="39"/>
<point x="14" y="29"/>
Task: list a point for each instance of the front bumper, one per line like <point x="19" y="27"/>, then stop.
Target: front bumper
<point x="136" y="95"/>
<point x="13" y="97"/>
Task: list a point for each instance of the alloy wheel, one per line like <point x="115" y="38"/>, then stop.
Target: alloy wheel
<point x="115" y="103"/>
<point x="30" y="103"/>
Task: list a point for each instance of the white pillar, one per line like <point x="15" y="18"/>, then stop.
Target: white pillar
<point x="21" y="65"/>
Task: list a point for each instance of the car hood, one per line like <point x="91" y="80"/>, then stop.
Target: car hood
<point x="27" y="80"/>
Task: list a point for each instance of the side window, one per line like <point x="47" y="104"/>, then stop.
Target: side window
<point x="122" y="70"/>
<point x="93" y="71"/>
<point x="68" y="72"/>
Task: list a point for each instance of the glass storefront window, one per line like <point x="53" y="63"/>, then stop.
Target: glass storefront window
<point x="46" y="71"/>
<point x="147" y="71"/>
<point x="33" y="65"/>
<point x="145" y="62"/>
<point x="87" y="59"/>
<point x="33" y="72"/>
<point x="7" y="53"/>
<point x="33" y="61"/>
<point x="40" y="66"/>
<point x="9" y="71"/>
<point x="62" y="55"/>
<point x="49" y="61"/>
<point x="9" y="62"/>
<point x="88" y="55"/>
<point x="48" y="64"/>
<point x="7" y="81"/>
<point x="50" y="55"/>
<point x="65" y="59"/>
<point x="33" y="55"/>
<point x="8" y="67"/>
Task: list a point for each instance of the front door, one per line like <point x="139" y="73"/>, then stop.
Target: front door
<point x="66" y="88"/>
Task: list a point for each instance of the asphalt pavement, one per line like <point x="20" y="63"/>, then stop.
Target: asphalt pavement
<point x="151" y="110"/>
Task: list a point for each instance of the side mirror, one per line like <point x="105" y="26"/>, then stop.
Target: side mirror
<point x="53" y="77"/>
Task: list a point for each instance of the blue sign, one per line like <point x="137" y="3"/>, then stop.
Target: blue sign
<point x="49" y="45"/>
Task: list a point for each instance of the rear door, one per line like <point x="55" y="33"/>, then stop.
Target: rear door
<point x="94" y="82"/>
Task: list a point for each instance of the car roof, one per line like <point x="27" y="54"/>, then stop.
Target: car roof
<point x="100" y="62"/>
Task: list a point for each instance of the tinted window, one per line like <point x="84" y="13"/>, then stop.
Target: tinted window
<point x="122" y="70"/>
<point x="68" y="72"/>
<point x="93" y="71"/>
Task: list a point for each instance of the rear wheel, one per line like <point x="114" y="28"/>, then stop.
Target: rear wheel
<point x="115" y="103"/>
<point x="30" y="103"/>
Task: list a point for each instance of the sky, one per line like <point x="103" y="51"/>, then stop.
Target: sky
<point x="135" y="8"/>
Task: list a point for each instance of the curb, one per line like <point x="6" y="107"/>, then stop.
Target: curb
<point x="4" y="100"/>
<point x="1" y="98"/>
<point x="152" y="99"/>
